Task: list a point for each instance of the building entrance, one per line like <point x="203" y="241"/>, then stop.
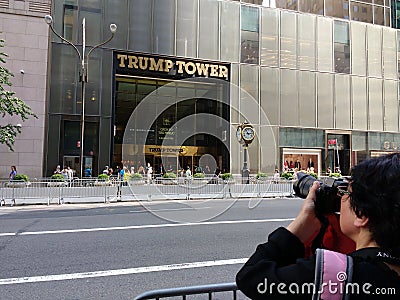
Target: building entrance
<point x="174" y="103"/>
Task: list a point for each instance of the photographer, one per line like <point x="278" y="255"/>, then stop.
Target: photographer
<point x="369" y="215"/>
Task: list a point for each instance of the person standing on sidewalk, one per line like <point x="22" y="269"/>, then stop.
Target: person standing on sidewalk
<point x="13" y="172"/>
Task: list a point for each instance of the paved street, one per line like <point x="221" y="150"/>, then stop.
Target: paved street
<point x="117" y="251"/>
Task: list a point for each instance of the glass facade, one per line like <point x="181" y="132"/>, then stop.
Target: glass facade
<point x="310" y="76"/>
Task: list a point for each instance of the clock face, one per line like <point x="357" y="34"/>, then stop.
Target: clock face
<point x="248" y="133"/>
<point x="239" y="133"/>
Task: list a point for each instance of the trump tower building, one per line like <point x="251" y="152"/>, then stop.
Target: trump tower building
<point x="317" y="79"/>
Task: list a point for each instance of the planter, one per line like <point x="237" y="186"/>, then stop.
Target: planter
<point x="18" y="184"/>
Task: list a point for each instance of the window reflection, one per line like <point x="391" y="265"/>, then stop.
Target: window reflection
<point x="342" y="47"/>
<point x="337" y="8"/>
<point x="249" y="35"/>
<point x="312" y="6"/>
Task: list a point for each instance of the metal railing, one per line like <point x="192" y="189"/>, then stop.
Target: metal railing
<point x="47" y="191"/>
<point x="183" y="292"/>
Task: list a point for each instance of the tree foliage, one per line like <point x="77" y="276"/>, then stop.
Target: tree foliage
<point x="10" y="105"/>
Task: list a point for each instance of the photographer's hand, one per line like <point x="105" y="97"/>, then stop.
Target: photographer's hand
<point x="306" y="225"/>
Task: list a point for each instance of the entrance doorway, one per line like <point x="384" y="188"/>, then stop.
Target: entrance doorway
<point x="173" y="101"/>
<point x="338" y="153"/>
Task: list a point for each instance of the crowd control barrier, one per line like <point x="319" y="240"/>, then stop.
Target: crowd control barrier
<point x="47" y="191"/>
<point x="230" y="291"/>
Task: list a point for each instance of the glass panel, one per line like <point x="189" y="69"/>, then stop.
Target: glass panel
<point x="337" y="8"/>
<point x="374" y="44"/>
<point x="391" y="106"/>
<point x="289" y="103"/>
<point x="53" y="147"/>
<point x="91" y="11"/>
<point x="375" y="104"/>
<point x="374" y="141"/>
<point x="249" y="93"/>
<point x="291" y="5"/>
<point x="358" y="51"/>
<point x="106" y="85"/>
<point x="116" y="12"/>
<point x="342" y="47"/>
<point x="230" y="31"/>
<point x="387" y="17"/>
<point x="234" y="93"/>
<point x="269" y="37"/>
<point x="208" y="33"/>
<point x="389" y="53"/>
<point x="249" y="35"/>
<point x="325" y="41"/>
<point x="307" y="104"/>
<point x="308" y="138"/>
<point x="379" y="15"/>
<point x="140" y="27"/>
<point x="325" y="100"/>
<point x="342" y="101"/>
<point x="186" y="28"/>
<point x="164" y="27"/>
<point x="361" y="12"/>
<point x="288" y="39"/>
<point x="359" y="95"/>
<point x="270" y="95"/>
<point x="312" y="6"/>
<point x="398" y="52"/>
<point x="358" y="141"/>
<point x="396" y="14"/>
<point x="64" y="85"/>
<point x="70" y="26"/>
<point x="306" y="42"/>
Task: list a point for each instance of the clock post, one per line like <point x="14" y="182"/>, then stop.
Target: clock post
<point x="245" y="134"/>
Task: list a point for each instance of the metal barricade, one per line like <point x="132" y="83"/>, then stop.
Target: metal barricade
<point x="183" y="292"/>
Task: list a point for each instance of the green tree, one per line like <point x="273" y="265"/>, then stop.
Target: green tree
<point x="10" y="105"/>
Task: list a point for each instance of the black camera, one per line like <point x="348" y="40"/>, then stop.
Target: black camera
<point x="327" y="200"/>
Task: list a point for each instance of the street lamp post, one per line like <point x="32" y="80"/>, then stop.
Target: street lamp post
<point x="83" y="73"/>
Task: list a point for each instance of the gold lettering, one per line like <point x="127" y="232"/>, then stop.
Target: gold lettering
<point x="202" y="69"/>
<point x="192" y="67"/>
<point x="180" y="66"/>
<point x="214" y="70"/>
<point x="168" y="65"/>
<point x="156" y="66"/>
<point x="122" y="58"/>
<point x="145" y="59"/>
<point x="132" y="62"/>
<point x="223" y="72"/>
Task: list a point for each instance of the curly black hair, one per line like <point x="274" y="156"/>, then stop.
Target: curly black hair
<point x="376" y="194"/>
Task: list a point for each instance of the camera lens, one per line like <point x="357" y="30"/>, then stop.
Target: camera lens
<point x="303" y="184"/>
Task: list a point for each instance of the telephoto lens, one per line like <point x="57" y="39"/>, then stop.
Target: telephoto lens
<point x="327" y="201"/>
